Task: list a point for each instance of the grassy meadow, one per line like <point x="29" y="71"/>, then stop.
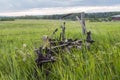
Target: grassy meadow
<point x="19" y="38"/>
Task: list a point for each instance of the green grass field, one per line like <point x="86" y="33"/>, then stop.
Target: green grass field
<point x="19" y="38"/>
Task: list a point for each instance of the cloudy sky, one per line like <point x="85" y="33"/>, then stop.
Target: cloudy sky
<point x="48" y="7"/>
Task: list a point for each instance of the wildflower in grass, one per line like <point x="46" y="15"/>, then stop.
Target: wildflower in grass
<point x="117" y="43"/>
<point x="25" y="56"/>
<point x="24" y="59"/>
<point x="22" y="53"/>
<point x="24" y="45"/>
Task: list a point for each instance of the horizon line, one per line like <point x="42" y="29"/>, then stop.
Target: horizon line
<point x="62" y="10"/>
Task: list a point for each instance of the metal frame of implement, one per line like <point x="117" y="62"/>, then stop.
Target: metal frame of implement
<point x="53" y="46"/>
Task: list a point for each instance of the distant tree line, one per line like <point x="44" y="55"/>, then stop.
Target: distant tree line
<point x="7" y="19"/>
<point x="98" y="17"/>
<point x="106" y="16"/>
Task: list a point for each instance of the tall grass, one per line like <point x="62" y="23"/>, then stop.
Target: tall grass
<point x="19" y="38"/>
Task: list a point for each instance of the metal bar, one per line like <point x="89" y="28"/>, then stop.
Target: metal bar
<point x="66" y="15"/>
<point x="82" y="22"/>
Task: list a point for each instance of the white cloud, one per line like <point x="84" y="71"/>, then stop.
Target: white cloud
<point x="62" y="10"/>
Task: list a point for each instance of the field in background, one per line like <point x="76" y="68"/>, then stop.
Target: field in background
<point x="19" y="38"/>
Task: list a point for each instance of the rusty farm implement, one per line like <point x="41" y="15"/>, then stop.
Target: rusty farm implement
<point x="46" y="53"/>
